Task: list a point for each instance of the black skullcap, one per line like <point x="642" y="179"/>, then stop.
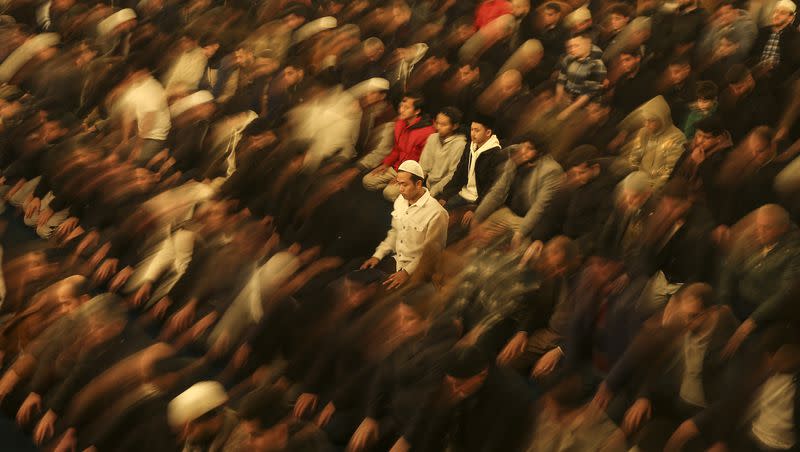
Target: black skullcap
<point x="737" y="73"/>
<point x="484" y="120"/>
<point x="267" y="405"/>
<point x="466" y="362"/>
<point x="585" y="153"/>
<point x="711" y="124"/>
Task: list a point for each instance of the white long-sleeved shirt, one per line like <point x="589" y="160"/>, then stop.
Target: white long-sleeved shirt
<point x="470" y="191"/>
<point x="439" y="160"/>
<point x="417" y="227"/>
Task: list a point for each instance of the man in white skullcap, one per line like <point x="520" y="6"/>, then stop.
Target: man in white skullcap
<point x="200" y="416"/>
<point x="419" y="226"/>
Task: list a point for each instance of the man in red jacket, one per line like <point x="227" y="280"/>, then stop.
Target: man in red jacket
<point x="490" y="10"/>
<point x="411" y="132"/>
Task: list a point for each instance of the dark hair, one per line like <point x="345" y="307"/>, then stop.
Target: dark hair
<point x="415" y="179"/>
<point x="585" y="153"/>
<point x="737" y="74"/>
<point x="453" y="114"/>
<point x="680" y="60"/>
<point x="711" y="124"/>
<point x="621" y="9"/>
<point x="266" y="405"/>
<point x="676" y="188"/>
<point x="466" y="362"/>
<point x="725" y="3"/>
<point x="553" y="6"/>
<point x="484" y="120"/>
<point x="418" y="98"/>
<point x="706" y="89"/>
<point x="632" y="50"/>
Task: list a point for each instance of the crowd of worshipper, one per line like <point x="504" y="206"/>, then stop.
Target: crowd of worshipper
<point x="400" y="225"/>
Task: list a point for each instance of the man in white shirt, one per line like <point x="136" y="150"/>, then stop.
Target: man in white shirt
<point x="419" y="226"/>
<point x="145" y="104"/>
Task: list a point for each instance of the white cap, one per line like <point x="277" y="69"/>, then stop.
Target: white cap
<point x="314" y="27"/>
<point x="578" y="16"/>
<point x="196" y="401"/>
<point x="186" y="103"/>
<point x="413" y="167"/>
<point x="111" y="22"/>
<point x="369" y="86"/>
<point x="786" y="5"/>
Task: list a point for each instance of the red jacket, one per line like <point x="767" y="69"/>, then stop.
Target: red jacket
<point x="491" y="10"/>
<point x="409" y="139"/>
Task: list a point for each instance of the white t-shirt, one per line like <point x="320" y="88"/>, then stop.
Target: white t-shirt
<point x="773" y="425"/>
<point x="144" y="98"/>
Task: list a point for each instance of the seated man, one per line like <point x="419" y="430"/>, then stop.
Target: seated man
<point x="443" y="150"/>
<point x="515" y="203"/>
<point x="656" y="144"/>
<point x="581" y="75"/>
<point x="476" y="172"/>
<point x="419" y="225"/>
<point x="411" y="131"/>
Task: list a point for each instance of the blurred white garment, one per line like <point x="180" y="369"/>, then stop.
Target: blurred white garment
<point x="330" y="122"/>
<point x="147" y="102"/>
<point x="186" y="72"/>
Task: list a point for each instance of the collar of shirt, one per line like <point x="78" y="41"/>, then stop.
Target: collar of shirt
<point x="418" y="203"/>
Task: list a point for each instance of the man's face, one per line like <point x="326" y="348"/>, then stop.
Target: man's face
<point x="683" y="311"/>
<point x="768" y="228"/>
<point x="469" y="74"/>
<point x="678" y="73"/>
<point x="705" y="104"/>
<point x="479" y="133"/>
<point x="579" y="47"/>
<point x="374" y="52"/>
<point x="652" y="125"/>
<point x="407" y="110"/>
<point x="743" y="87"/>
<point x="554" y="262"/>
<point x="408" y="188"/>
<point x="550" y="17"/>
<point x="629" y="63"/>
<point x="703" y="140"/>
<point x="759" y="148"/>
<point x="726" y="47"/>
<point x="617" y="22"/>
<point x="524" y="154"/>
<point x="243" y="57"/>
<point x="582" y="174"/>
<point x="293" y="75"/>
<point x="444" y="126"/>
<point x="781" y="17"/>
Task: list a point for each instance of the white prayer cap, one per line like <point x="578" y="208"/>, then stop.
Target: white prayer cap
<point x="369" y="86"/>
<point x="196" y="401"/>
<point x="111" y="22"/>
<point x="314" y="27"/>
<point x="24" y="53"/>
<point x="578" y="16"/>
<point x="413" y="167"/>
<point x="186" y="103"/>
<point x="786" y="5"/>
